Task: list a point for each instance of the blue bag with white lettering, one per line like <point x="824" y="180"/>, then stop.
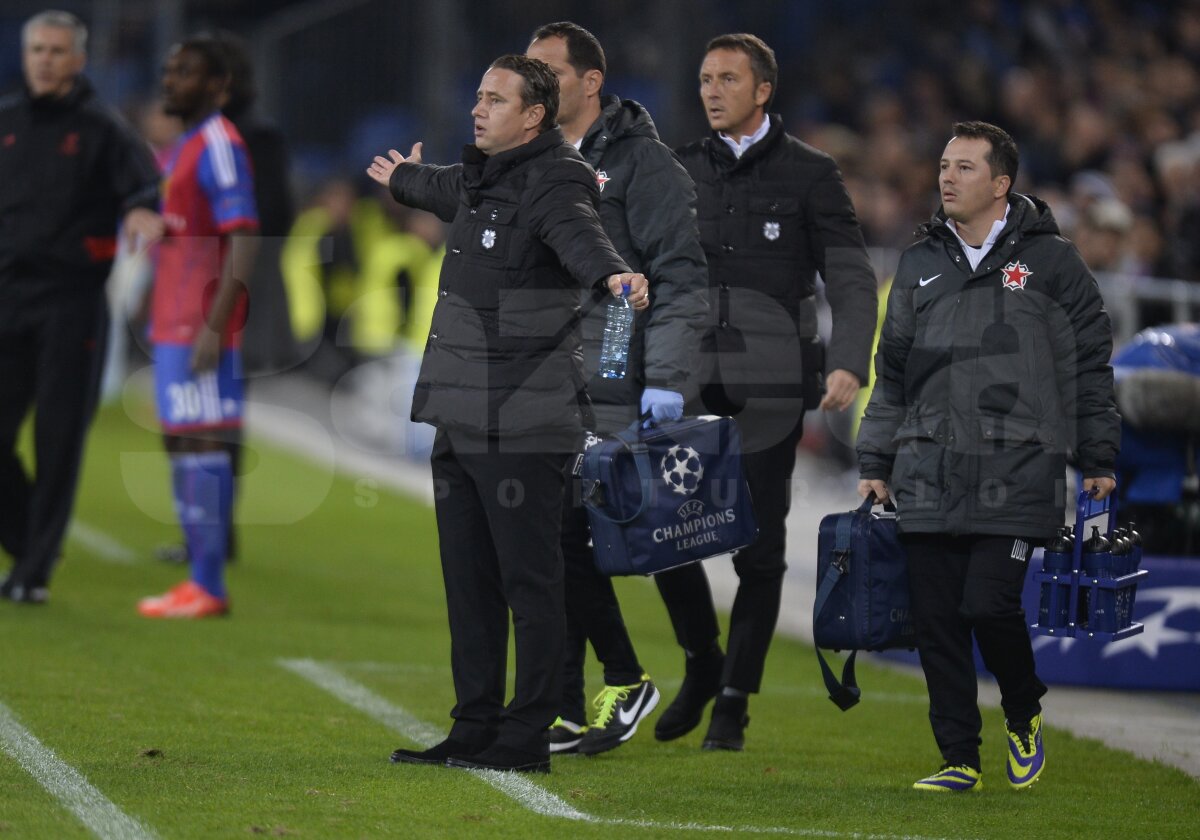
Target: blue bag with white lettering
<point x="862" y="600"/>
<point x="666" y="496"/>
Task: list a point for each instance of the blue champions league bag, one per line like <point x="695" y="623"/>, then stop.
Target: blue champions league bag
<point x="862" y="598"/>
<point x="666" y="496"/>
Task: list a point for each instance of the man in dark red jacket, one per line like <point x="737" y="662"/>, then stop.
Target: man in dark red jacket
<point x="72" y="172"/>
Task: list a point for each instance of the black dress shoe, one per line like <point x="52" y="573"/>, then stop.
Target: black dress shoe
<point x="727" y="727"/>
<point x="438" y="753"/>
<point x="701" y="683"/>
<point x="501" y="757"/>
<point x="21" y="594"/>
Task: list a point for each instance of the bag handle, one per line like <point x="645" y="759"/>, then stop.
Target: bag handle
<point x="631" y="439"/>
<point x="846" y="693"/>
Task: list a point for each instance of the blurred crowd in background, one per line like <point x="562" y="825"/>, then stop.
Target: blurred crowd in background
<point x="1103" y="98"/>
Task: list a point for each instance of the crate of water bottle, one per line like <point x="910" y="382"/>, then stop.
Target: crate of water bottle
<point x="1088" y="580"/>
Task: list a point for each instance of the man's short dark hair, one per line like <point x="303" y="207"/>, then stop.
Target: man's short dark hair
<point x="762" y="57"/>
<point x="1002" y="159"/>
<point x="584" y="52"/>
<point x="216" y="60"/>
<point x="540" y="88"/>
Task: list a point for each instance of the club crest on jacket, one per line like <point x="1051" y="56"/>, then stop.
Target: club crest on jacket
<point x="488" y="240"/>
<point x="1015" y="275"/>
<point x="771" y="230"/>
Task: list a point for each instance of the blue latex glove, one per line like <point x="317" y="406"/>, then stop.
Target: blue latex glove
<point x="661" y="405"/>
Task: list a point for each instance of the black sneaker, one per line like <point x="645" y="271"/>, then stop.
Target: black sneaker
<point x="619" y="710"/>
<point x="701" y="683"/>
<point x="564" y="736"/>
<point x="438" y="753"/>
<point x="504" y="758"/>
<point x="727" y="727"/>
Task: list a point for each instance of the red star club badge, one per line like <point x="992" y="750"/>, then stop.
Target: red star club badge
<point x="1015" y="274"/>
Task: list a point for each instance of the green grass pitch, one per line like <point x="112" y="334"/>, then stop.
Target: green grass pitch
<point x="197" y="730"/>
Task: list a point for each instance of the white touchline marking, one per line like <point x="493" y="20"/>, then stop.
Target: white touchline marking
<point x="516" y="786"/>
<point x="66" y="784"/>
<point x="101" y="544"/>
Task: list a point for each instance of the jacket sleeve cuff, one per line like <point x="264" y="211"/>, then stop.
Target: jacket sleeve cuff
<point x="874" y="466"/>
<point x="394" y="183"/>
<point x="147" y="199"/>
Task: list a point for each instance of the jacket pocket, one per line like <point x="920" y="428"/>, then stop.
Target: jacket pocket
<point x="919" y="471"/>
<point x="492" y="234"/>
<point x="1018" y="473"/>
<point x="773" y="225"/>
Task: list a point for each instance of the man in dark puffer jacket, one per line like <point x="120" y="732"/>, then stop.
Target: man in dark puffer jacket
<point x="502" y="382"/>
<point x="648" y="208"/>
<point x="993" y="364"/>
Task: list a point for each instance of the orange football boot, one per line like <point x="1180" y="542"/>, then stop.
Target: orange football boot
<point x="187" y="600"/>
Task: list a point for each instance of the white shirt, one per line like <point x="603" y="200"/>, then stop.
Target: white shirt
<point x="975" y="255"/>
<point x="740" y="146"/>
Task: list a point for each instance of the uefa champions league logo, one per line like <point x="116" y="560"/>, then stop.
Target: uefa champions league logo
<point x="682" y="470"/>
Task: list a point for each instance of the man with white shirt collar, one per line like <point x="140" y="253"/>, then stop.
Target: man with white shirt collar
<point x="993" y="364"/>
<point x="773" y="212"/>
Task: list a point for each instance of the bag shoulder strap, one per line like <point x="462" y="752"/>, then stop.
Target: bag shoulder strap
<point x="846" y="693"/>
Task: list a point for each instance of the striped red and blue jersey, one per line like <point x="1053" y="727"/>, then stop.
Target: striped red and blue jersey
<point x="208" y="191"/>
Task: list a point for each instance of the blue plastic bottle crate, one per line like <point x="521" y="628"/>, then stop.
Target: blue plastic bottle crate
<point x="1096" y="607"/>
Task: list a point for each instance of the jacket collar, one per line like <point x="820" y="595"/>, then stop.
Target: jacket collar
<point x="481" y="170"/>
<point x="724" y="158"/>
<point x="80" y="92"/>
<point x="1027" y="214"/>
<point x="618" y="118"/>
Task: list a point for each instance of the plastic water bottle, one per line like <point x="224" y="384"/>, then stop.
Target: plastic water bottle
<point x="1099" y="605"/>
<point x="1097" y="555"/>
<point x="1056" y="559"/>
<point x="618" y="330"/>
<point x="1122" y="551"/>
<point x="1126" y="594"/>
<point x="1135" y="559"/>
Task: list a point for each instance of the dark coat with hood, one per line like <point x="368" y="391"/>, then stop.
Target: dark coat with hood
<point x="503" y="356"/>
<point x="987" y="379"/>
<point x="648" y="209"/>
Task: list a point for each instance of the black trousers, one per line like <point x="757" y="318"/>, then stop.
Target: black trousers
<point x="593" y="613"/>
<point x="963" y="586"/>
<point x="499" y="519"/>
<point x="51" y="359"/>
<point x="760" y="568"/>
